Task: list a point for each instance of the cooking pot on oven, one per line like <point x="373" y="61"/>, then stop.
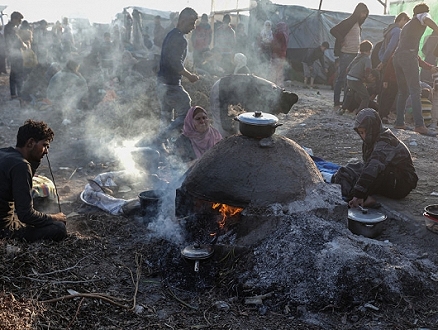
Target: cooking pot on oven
<point x="257" y="124"/>
<point x="365" y="222"/>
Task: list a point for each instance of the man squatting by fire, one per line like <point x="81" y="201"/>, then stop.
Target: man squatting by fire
<point x="18" y="218"/>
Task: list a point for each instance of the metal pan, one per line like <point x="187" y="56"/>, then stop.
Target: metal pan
<point x="197" y="252"/>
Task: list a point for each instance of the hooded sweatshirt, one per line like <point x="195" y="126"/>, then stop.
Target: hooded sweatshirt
<point x="340" y="30"/>
<point x="391" y="35"/>
<point x="381" y="149"/>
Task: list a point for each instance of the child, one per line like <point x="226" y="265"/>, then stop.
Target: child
<point x="309" y="63"/>
<point x="387" y="167"/>
<point x="358" y="72"/>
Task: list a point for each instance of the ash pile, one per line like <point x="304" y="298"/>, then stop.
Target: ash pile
<point x="294" y="253"/>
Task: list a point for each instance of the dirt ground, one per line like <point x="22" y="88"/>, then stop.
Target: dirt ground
<point x="112" y="273"/>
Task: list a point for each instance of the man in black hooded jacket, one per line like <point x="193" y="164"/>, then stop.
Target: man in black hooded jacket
<point x="347" y="34"/>
<point x="387" y="168"/>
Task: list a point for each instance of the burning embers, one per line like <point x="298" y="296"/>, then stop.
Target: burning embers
<point x="226" y="212"/>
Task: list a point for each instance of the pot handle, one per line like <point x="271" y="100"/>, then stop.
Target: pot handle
<point x="236" y="119"/>
<point x="276" y="125"/>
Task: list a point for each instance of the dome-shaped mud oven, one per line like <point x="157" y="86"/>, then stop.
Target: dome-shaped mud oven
<point x="244" y="172"/>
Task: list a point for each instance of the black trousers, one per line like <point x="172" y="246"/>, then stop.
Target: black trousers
<point x="56" y="231"/>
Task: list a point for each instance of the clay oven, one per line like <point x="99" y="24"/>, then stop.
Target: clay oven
<point x="247" y="173"/>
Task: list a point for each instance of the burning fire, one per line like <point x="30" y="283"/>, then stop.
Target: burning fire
<point x="226" y="211"/>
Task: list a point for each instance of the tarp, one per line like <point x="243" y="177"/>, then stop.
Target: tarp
<point x="308" y="28"/>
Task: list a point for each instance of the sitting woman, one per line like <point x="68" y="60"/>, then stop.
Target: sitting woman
<point x="387" y="167"/>
<point x="197" y="137"/>
<point x="240" y="61"/>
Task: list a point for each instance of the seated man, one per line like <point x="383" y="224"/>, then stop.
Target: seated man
<point x="18" y="218"/>
<point x="387" y="167"/>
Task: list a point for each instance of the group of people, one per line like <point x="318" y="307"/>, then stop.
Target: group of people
<point x="395" y="76"/>
<point x="387" y="167"/>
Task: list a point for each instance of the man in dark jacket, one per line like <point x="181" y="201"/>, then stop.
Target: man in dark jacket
<point x="13" y="52"/>
<point x="18" y="218"/>
<point x="313" y="55"/>
<point x="348" y="38"/>
<point x="387" y="167"/>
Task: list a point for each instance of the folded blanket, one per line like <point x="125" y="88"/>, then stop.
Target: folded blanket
<point x="326" y="168"/>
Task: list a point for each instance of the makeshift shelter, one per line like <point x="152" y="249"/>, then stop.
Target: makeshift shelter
<point x="308" y="28"/>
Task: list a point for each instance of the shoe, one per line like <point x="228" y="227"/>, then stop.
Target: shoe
<point x="406" y="128"/>
<point x="424" y="131"/>
<point x="340" y="111"/>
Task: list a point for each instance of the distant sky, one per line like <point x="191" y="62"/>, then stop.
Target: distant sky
<point x="102" y="11"/>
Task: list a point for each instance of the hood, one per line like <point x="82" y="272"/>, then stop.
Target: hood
<point x="370" y="120"/>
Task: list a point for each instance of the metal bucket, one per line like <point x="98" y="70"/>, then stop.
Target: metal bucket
<point x="150" y="202"/>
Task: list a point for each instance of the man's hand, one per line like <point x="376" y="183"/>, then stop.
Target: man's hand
<point x="59" y="217"/>
<point x="355" y="202"/>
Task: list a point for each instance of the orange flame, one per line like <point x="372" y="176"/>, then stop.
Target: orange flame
<point x="226" y="211"/>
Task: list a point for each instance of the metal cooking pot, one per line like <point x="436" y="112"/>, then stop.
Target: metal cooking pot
<point x="150" y="202"/>
<point x="197" y="252"/>
<point x="365" y="222"/>
<point x="257" y="124"/>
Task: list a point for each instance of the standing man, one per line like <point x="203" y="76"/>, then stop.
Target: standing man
<point x="171" y="94"/>
<point x="201" y="39"/>
<point x="159" y="32"/>
<point x="18" y="218"/>
<point x="225" y="43"/>
<point x="13" y="52"/>
<point x="406" y="68"/>
<point x="348" y="38"/>
<point x="391" y="36"/>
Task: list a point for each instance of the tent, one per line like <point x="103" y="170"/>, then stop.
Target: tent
<point x="308" y="28"/>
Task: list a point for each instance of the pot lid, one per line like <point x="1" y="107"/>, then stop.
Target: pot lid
<point x="431" y="209"/>
<point x="369" y="216"/>
<point x="197" y="251"/>
<point x="257" y="118"/>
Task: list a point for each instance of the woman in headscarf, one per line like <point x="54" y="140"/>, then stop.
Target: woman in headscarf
<point x="240" y="64"/>
<point x="387" y="167"/>
<point x="279" y="49"/>
<point x="265" y="43"/>
<point x="198" y="135"/>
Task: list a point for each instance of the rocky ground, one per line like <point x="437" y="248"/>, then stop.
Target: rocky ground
<point x="112" y="272"/>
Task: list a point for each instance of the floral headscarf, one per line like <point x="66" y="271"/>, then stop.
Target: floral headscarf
<point x="201" y="142"/>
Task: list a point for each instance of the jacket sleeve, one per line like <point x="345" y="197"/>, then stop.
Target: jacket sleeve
<point x="376" y="164"/>
<point x="392" y="45"/>
<point x="21" y="176"/>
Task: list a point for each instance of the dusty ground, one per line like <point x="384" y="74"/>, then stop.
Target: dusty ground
<point x="117" y="265"/>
